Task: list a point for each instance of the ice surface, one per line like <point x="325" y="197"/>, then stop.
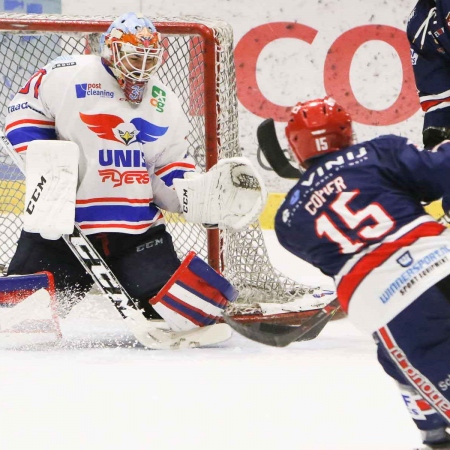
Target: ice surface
<point x="99" y="390"/>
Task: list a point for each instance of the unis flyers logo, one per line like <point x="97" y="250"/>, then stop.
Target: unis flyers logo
<point x="113" y="128"/>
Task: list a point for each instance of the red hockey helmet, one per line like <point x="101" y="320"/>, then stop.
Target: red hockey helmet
<point x="317" y="127"/>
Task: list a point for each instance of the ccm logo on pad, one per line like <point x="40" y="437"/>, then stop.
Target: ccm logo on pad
<point x="36" y="195"/>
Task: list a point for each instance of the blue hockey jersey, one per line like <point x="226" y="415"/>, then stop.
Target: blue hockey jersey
<point x="357" y="215"/>
<point x="428" y="32"/>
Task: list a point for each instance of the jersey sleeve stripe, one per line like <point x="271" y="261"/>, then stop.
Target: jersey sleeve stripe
<point x="26" y="134"/>
<point x="21" y="149"/>
<point x="175" y="174"/>
<point x="433" y="106"/>
<point x="175" y="166"/>
<point x="435" y="101"/>
<point x="30" y="122"/>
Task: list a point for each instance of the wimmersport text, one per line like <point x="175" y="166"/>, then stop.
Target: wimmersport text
<point x="415" y="272"/>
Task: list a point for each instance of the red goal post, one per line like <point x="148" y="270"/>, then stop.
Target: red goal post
<point x="199" y="67"/>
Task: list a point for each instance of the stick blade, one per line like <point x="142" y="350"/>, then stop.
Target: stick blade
<point x="265" y="333"/>
<point x="276" y="335"/>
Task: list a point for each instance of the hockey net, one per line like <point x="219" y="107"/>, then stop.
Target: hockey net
<point x="199" y="67"/>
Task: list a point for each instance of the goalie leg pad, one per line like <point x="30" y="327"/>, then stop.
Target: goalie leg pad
<point x="29" y="299"/>
<point x="195" y="296"/>
<point x="15" y="288"/>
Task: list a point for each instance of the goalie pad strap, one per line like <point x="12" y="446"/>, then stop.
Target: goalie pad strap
<point x="203" y="270"/>
<point x="195" y="295"/>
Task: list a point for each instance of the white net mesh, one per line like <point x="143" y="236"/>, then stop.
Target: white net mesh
<point x="199" y="67"/>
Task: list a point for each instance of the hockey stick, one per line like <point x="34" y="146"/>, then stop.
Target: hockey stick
<point x="146" y="332"/>
<point x="270" y="146"/>
<point x="275" y="156"/>
<point x="282" y="335"/>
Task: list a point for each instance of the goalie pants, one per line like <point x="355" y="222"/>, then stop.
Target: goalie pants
<point x="414" y="349"/>
<point x="142" y="263"/>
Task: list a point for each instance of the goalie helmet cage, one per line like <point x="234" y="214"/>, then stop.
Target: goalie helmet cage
<point x="198" y="65"/>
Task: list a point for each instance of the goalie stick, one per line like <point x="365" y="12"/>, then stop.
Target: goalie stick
<point x="270" y="146"/>
<point x="283" y="335"/>
<point x="148" y="333"/>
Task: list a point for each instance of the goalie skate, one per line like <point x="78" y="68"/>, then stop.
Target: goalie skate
<point x="155" y="334"/>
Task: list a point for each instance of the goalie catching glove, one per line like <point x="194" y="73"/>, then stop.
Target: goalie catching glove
<point x="231" y="195"/>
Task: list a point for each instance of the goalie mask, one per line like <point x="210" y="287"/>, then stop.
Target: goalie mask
<point x="317" y="127"/>
<point x="131" y="47"/>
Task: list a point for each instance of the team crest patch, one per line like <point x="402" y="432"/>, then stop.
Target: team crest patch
<point x="114" y="128"/>
<point x="447" y="20"/>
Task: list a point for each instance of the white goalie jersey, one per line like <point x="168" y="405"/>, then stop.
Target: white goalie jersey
<point x="129" y="155"/>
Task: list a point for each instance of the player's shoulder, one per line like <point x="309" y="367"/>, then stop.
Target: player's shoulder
<point x="162" y="97"/>
<point x="71" y="63"/>
<point x="389" y="139"/>
<point x="159" y="89"/>
<point x="391" y="147"/>
<point x="387" y="144"/>
<point x="418" y="15"/>
<point x="441" y="5"/>
<point x="384" y="142"/>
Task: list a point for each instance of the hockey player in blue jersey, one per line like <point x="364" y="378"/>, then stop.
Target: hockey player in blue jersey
<point x="357" y="215"/>
<point x="428" y="32"/>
